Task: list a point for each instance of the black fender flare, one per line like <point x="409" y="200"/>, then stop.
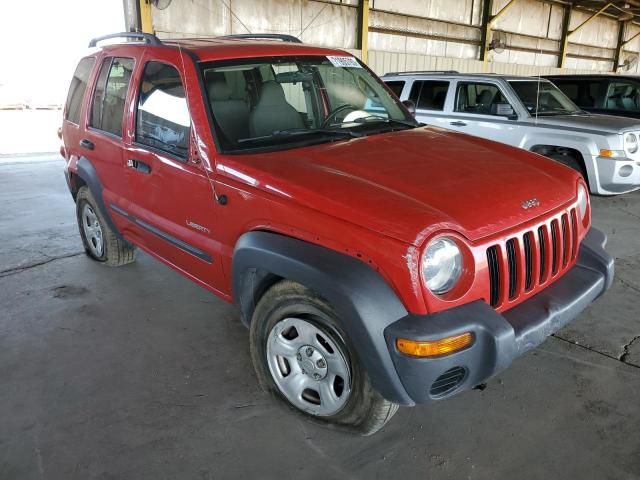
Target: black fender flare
<point x="89" y="175"/>
<point x="363" y="300"/>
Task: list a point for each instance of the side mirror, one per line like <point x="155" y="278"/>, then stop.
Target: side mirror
<point x="410" y="106"/>
<point x="504" y="110"/>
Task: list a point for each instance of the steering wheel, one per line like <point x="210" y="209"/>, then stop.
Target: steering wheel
<point x="336" y="111"/>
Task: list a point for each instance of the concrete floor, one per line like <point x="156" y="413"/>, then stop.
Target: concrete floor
<point x="136" y="373"/>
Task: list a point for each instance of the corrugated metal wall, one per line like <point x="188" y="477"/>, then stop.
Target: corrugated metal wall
<point x="415" y="34"/>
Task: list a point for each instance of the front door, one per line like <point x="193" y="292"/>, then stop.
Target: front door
<point x="170" y="206"/>
<point x="479" y="109"/>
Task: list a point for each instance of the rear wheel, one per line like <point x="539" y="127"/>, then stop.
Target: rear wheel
<point x="100" y="241"/>
<point x="302" y="356"/>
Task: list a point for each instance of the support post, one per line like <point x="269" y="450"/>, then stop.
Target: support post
<point x="564" y="40"/>
<point x="487" y="24"/>
<point x="618" y="56"/>
<point x="146" y="19"/>
<point x="363" y="29"/>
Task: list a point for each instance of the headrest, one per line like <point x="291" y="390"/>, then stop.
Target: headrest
<point x="486" y="97"/>
<point x="272" y="94"/>
<point x="628" y="91"/>
<point x="219" y="91"/>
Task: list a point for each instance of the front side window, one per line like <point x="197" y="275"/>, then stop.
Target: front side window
<point x="543" y="98"/>
<point x="163" y="120"/>
<point x="110" y="95"/>
<point x="623" y="96"/>
<point x="77" y="89"/>
<point x="292" y="101"/>
<point x="429" y="94"/>
<point x="479" y="98"/>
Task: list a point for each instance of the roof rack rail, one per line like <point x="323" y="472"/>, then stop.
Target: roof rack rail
<point x="422" y="72"/>
<point x="264" y="36"/>
<point x="146" y="37"/>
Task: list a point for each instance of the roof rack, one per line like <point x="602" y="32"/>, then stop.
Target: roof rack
<point x="422" y="72"/>
<point x="264" y="36"/>
<point x="145" y="37"/>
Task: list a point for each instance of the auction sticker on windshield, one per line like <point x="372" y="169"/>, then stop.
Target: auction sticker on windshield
<point x="344" y="62"/>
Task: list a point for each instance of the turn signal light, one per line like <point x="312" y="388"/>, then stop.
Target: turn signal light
<point x="436" y="348"/>
<point x="607" y="153"/>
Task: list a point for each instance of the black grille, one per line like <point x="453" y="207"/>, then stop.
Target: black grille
<point x="528" y="260"/>
<point x="531" y="258"/>
<point x="494" y="275"/>
<point x="448" y="381"/>
<point x="565" y="241"/>
<point x="554" y="247"/>
<point x="513" y="267"/>
<point x="542" y="239"/>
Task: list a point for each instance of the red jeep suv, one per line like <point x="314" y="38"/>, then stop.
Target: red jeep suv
<point x="377" y="262"/>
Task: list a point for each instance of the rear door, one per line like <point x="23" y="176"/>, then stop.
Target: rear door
<point x="169" y="206"/>
<point x="101" y="142"/>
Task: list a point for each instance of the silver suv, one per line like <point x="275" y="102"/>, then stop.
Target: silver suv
<point x="532" y="114"/>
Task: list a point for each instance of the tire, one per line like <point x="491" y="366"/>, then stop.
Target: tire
<point x="352" y="403"/>
<point x="570" y="161"/>
<point x="100" y="242"/>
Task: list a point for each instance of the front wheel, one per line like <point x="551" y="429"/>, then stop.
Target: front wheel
<point x="301" y="355"/>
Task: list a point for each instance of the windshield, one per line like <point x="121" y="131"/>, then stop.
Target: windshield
<point x="285" y="102"/>
<point x="543" y="98"/>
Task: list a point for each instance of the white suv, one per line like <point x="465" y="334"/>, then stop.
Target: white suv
<point x="532" y="114"/>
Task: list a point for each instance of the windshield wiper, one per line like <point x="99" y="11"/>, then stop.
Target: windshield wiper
<point x="290" y="132"/>
<point x="377" y="119"/>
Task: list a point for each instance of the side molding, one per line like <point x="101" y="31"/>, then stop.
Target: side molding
<point x="363" y="300"/>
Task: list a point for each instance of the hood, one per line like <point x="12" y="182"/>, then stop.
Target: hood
<point x="404" y="184"/>
<point x="594" y="122"/>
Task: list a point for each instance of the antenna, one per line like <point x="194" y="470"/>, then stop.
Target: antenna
<point x="186" y="93"/>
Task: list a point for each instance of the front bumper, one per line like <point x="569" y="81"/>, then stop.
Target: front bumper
<point x="620" y="175"/>
<point x="499" y="338"/>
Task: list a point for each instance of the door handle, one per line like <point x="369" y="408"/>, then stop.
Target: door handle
<point x="139" y="166"/>
<point x="88" y="144"/>
<point x="458" y="124"/>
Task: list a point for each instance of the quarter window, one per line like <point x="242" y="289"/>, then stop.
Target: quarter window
<point x="429" y="95"/>
<point x="163" y="120"/>
<point x="478" y="98"/>
<point x="77" y="89"/>
<point x="110" y="95"/>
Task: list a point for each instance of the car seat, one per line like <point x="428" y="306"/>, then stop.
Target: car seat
<point x="273" y="112"/>
<point x="232" y="115"/>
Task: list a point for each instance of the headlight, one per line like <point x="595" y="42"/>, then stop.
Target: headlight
<point x="441" y="265"/>
<point x="631" y="142"/>
<point x="583" y="200"/>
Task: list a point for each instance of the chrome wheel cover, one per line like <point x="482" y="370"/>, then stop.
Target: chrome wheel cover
<point x="92" y="230"/>
<point x="308" y="367"/>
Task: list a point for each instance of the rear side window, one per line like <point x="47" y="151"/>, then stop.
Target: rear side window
<point x="429" y="94"/>
<point x="163" y="119"/>
<point x="110" y="95"/>
<point x="77" y="89"/>
<point x="582" y="92"/>
<point x="396" y="86"/>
